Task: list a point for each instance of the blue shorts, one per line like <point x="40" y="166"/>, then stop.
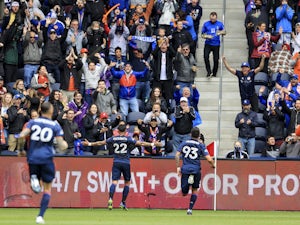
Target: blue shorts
<point x="44" y="172"/>
<point x="185" y="186"/>
<point x="121" y="168"/>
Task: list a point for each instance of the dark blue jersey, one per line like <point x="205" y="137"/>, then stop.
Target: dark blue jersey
<point x="121" y="146"/>
<point x="43" y="132"/>
<point x="191" y="151"/>
<point x="246" y="84"/>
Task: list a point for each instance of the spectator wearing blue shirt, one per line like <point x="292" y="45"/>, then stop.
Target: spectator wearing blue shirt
<point x="211" y="31"/>
<point x="246" y="80"/>
<point x="190" y="171"/>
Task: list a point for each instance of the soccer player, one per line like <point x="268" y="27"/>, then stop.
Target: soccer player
<point x="121" y="146"/>
<point x="190" y="171"/>
<point x="42" y="133"/>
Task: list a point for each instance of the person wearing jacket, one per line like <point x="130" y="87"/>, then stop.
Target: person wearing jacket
<point x="17" y="117"/>
<point x="185" y="66"/>
<point x="294" y="114"/>
<point x="104" y="99"/>
<point x="162" y="67"/>
<point x="246" y="121"/>
<point x="127" y="79"/>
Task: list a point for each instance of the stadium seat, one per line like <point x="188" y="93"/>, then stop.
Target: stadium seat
<point x="259" y="146"/>
<point x="261" y="78"/>
<point x="20" y="73"/>
<point x="284" y="76"/>
<point x="55" y="86"/>
<point x="261" y="133"/>
<point x="10" y="86"/>
<point x="132" y="117"/>
<point x="141" y="105"/>
<point x="261" y="122"/>
<point x="266" y="91"/>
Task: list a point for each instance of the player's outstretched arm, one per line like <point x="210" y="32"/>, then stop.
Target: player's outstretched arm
<point x="148" y="144"/>
<point x="211" y="161"/>
<point x="61" y="143"/>
<point x="97" y="143"/>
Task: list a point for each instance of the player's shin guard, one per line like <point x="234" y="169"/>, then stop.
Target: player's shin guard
<point x="125" y="193"/>
<point x="193" y="199"/>
<point x="112" y="190"/>
<point x="44" y="203"/>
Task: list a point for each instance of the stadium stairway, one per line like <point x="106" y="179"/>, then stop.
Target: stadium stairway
<point x="235" y="50"/>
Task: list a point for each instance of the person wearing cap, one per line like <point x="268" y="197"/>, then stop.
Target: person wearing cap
<point x="17" y="117"/>
<point x="32" y="45"/>
<point x="290" y="88"/>
<point x="52" y="23"/>
<point x="76" y="38"/>
<point x="127" y="79"/>
<point x="104" y="130"/>
<point x="246" y="121"/>
<point x="140" y="32"/>
<point x="154" y="132"/>
<point x="52" y="52"/>
<point x="183" y="122"/>
<point x="246" y="80"/>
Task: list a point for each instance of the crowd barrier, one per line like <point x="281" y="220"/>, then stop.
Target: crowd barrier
<point x="82" y="182"/>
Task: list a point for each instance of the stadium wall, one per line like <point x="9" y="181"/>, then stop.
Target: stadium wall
<point x="84" y="183"/>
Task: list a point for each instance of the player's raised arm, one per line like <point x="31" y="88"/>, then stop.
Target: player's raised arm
<point x="97" y="143"/>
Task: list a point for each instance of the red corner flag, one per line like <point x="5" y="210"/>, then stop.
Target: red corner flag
<point x="211" y="147"/>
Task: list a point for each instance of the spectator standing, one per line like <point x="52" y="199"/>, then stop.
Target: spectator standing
<point x="70" y="128"/>
<point x="262" y="42"/>
<point x="96" y="38"/>
<point x="162" y="66"/>
<point x="246" y="121"/>
<point x="80" y="12"/>
<point x="32" y="45"/>
<point x="185" y="66"/>
<point x="291" y="147"/>
<point x="156" y="97"/>
<point x="6" y="103"/>
<point x="80" y="108"/>
<point x="104" y="99"/>
<point x="211" y="31"/>
<point x="246" y="81"/>
<point x="17" y="117"/>
<point x="58" y="106"/>
<point x="161" y="117"/>
<point x="70" y="75"/>
<point x="76" y="38"/>
<point x="195" y="11"/>
<point x="190" y="171"/>
<point x="284" y="16"/>
<point x="41" y="81"/>
<point x="294" y="114"/>
<point x="184" y="116"/>
<point x="237" y="153"/>
<point x="127" y="94"/>
<point x="281" y="59"/>
<point x="181" y="36"/>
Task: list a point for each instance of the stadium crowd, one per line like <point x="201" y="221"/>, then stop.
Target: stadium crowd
<point x="102" y="63"/>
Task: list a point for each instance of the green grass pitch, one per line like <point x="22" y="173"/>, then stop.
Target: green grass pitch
<point x="24" y="216"/>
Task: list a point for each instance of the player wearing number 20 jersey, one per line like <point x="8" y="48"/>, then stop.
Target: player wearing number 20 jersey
<point x="43" y="132"/>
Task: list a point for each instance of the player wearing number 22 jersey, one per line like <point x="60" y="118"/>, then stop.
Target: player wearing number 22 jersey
<point x="191" y="150"/>
<point x="121" y="146"/>
<point x="42" y="132"/>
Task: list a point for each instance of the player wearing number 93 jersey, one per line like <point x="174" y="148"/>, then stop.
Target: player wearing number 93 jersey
<point x="191" y="151"/>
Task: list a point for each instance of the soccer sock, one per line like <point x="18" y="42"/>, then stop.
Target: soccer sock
<point x="125" y="193"/>
<point x="112" y="190"/>
<point x="44" y="204"/>
<point x="193" y="200"/>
